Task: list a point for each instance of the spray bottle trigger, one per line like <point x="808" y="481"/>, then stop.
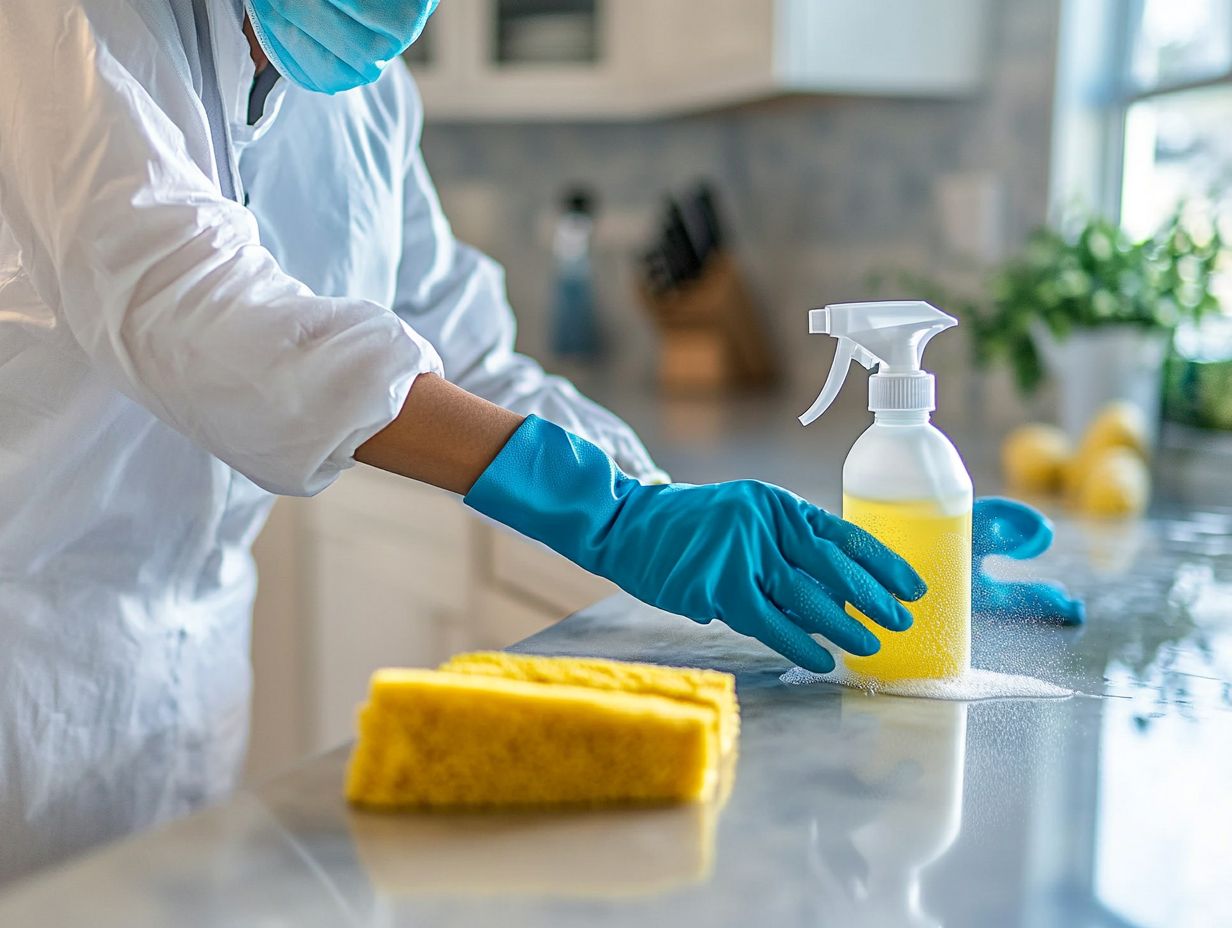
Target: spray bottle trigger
<point x="846" y="352"/>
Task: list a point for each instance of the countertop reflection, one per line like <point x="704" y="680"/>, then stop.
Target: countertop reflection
<point x="1110" y="807"/>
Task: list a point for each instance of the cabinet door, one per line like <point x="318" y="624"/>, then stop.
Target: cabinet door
<point x="505" y="618"/>
<point x="279" y="727"/>
<point x="696" y="54"/>
<point x="523" y="587"/>
<point x="389" y="566"/>
<point x="447" y="68"/>
<point x="658" y="57"/>
<point x="891" y="47"/>
<point x="423" y="535"/>
<point x="524" y="68"/>
<point x="540" y="575"/>
<point x="369" y="615"/>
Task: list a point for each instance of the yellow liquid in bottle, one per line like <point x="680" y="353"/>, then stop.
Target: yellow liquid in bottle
<point x="938" y="546"/>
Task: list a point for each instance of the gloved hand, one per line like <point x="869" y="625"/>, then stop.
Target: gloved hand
<point x="766" y="562"/>
<point x="1013" y="529"/>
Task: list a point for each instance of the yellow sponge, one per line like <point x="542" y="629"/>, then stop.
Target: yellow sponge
<point x="709" y="688"/>
<point x="433" y="738"/>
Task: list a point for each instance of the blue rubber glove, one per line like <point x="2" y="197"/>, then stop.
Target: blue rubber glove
<point x="1009" y="528"/>
<point x="767" y="563"/>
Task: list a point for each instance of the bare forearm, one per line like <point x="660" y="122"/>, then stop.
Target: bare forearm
<point x="443" y="436"/>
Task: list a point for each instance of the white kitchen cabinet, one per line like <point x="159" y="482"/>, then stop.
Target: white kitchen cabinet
<point x="380" y="571"/>
<point x="525" y="587"/>
<point x="540" y="574"/>
<point x="538" y="60"/>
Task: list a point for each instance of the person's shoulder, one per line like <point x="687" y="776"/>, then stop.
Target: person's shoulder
<point x="396" y="88"/>
<point x="394" y="102"/>
<point x="132" y="30"/>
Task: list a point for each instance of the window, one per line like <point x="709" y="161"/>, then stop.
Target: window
<point x="1144" y="102"/>
<point x="1176" y="100"/>
<point x="1142" y="123"/>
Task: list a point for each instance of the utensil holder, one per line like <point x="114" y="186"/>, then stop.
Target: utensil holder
<point x="712" y="337"/>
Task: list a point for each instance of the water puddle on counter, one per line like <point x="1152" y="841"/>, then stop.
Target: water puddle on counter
<point x="971" y="686"/>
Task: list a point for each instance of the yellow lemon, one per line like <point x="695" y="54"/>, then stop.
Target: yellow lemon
<point x="1033" y="458"/>
<point x="1113" y="483"/>
<point x="1118" y="425"/>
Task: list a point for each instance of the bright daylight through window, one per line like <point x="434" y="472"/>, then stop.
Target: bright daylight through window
<point x="1177" y="98"/>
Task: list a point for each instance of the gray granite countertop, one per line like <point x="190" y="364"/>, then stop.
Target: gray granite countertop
<point x="1108" y="808"/>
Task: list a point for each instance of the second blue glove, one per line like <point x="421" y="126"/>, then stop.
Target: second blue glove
<point x="1012" y="529"/>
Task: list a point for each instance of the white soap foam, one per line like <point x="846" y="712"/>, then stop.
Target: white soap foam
<point x="973" y="685"/>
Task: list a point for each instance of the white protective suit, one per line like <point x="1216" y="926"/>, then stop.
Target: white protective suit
<point x="345" y="203"/>
<point x="162" y="373"/>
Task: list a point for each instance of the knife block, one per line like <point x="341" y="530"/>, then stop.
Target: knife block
<point x="712" y="340"/>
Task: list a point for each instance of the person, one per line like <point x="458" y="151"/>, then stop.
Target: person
<point x="224" y="275"/>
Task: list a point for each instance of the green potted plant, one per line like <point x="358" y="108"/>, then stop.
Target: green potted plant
<point x="1096" y="310"/>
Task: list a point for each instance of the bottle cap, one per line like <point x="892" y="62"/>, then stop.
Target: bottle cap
<point x="913" y="391"/>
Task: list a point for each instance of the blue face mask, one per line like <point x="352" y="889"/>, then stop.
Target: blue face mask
<point x="333" y="45"/>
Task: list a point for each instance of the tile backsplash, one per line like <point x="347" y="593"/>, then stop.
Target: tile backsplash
<point x="819" y="192"/>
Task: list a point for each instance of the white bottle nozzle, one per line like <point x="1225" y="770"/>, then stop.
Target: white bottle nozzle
<point x="819" y="321"/>
<point x="891" y="335"/>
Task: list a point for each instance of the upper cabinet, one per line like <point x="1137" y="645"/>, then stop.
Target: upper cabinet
<point x="625" y="59"/>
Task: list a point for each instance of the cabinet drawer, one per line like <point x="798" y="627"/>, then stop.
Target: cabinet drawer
<point x="412" y="538"/>
<point x="541" y="574"/>
<point x="502" y="619"/>
<point x="368" y="613"/>
<point x="364" y="497"/>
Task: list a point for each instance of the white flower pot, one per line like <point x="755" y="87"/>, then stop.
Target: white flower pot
<point x="1094" y="367"/>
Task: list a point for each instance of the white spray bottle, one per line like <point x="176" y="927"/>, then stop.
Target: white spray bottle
<point x="905" y="482"/>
